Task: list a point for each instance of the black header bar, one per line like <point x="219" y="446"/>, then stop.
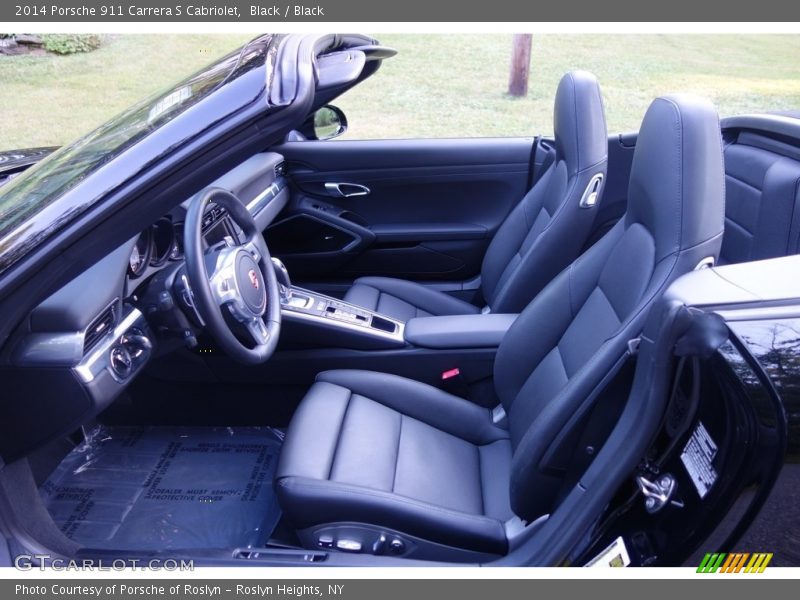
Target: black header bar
<point x="361" y="11"/>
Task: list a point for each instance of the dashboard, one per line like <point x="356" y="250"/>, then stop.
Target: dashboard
<point x="84" y="344"/>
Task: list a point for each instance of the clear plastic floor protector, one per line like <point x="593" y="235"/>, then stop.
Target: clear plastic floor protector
<point x="158" y="488"/>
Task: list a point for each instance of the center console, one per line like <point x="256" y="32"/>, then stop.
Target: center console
<point x="318" y="320"/>
<point x="333" y="322"/>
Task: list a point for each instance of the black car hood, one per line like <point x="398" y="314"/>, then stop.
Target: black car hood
<point x="12" y="161"/>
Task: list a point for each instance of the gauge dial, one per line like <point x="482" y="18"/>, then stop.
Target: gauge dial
<point x="140" y="255"/>
<point x="163" y="241"/>
<point x="177" y="244"/>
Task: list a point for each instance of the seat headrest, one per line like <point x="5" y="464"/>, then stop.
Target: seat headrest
<point x="677" y="181"/>
<point x="579" y="122"/>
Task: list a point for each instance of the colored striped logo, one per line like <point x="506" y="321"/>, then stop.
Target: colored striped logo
<point x="737" y="562"/>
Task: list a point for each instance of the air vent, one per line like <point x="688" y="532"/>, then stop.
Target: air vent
<point x="99" y="328"/>
<point x="280" y="169"/>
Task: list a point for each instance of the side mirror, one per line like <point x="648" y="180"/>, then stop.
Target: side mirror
<point x="329" y="122"/>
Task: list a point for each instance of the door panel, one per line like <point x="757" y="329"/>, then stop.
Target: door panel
<point x="419" y="209"/>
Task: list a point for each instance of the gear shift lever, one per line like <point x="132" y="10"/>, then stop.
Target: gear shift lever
<point x="282" y="275"/>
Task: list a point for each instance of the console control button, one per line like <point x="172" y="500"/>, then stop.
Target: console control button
<point x="348" y="545"/>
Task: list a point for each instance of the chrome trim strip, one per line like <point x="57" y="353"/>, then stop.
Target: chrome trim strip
<point x="759" y="313"/>
<point x="398" y="336"/>
<point x="97" y="360"/>
<point x="259" y="202"/>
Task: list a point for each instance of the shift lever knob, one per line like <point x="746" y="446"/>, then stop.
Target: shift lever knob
<point x="282" y="275"/>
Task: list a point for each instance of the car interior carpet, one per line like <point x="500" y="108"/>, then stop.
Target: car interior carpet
<point x="147" y="488"/>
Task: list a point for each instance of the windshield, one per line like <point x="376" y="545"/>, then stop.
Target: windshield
<point x="41" y="185"/>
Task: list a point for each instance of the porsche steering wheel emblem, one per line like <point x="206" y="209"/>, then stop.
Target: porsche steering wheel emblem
<point x="251" y="274"/>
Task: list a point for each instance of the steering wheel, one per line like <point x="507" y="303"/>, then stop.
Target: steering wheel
<point x="237" y="279"/>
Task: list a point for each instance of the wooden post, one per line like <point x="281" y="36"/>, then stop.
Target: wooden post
<point x="520" y="64"/>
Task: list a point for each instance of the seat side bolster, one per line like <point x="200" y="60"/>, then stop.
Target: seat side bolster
<point x="429" y="300"/>
<point x="310" y="451"/>
<point x="422" y="402"/>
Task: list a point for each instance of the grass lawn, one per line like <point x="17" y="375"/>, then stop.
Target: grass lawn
<point x="438" y="85"/>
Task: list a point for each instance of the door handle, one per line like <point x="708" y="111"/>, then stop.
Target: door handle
<point x="346" y="190"/>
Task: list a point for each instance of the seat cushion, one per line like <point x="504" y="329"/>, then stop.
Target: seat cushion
<point x="391" y="452"/>
<point x="404" y="300"/>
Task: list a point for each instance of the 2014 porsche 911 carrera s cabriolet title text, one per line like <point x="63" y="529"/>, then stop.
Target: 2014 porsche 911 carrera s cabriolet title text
<point x="221" y="11"/>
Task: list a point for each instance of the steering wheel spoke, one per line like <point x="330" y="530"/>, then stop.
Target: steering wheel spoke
<point x="258" y="331"/>
<point x="251" y="246"/>
<point x="223" y="286"/>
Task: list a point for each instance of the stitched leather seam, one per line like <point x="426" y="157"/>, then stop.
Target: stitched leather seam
<point x="319" y="484"/>
<point x="418" y="310"/>
<point x="560" y="357"/>
<point x="376" y="297"/>
<point x="560" y="209"/>
<point x="480" y="480"/>
<point x="341" y="427"/>
<point x="397" y="451"/>
<point x="611" y="304"/>
<point x="489" y="434"/>
<point x="740" y="226"/>
<point x="593" y="166"/>
<point x="760" y="190"/>
<point x="569" y="289"/>
<point x="505" y="276"/>
<point x="679" y="147"/>
<point x="724" y="181"/>
<point x="577" y="124"/>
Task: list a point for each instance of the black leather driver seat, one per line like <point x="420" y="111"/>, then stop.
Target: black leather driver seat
<point x="541" y="236"/>
<point x="372" y="459"/>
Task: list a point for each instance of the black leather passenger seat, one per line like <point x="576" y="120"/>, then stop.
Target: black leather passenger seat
<point x="543" y="234"/>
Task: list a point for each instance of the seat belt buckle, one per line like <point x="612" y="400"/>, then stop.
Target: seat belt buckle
<point x="453" y="382"/>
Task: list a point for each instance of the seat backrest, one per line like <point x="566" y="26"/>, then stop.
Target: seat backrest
<point x="547" y="229"/>
<point x="574" y="332"/>
<point x="762" y="204"/>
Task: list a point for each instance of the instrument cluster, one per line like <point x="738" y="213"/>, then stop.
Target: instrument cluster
<point x="159" y="243"/>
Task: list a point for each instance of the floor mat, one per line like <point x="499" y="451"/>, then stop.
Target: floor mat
<point x="153" y="488"/>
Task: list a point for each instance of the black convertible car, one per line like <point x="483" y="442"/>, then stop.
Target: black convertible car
<point x="225" y="338"/>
